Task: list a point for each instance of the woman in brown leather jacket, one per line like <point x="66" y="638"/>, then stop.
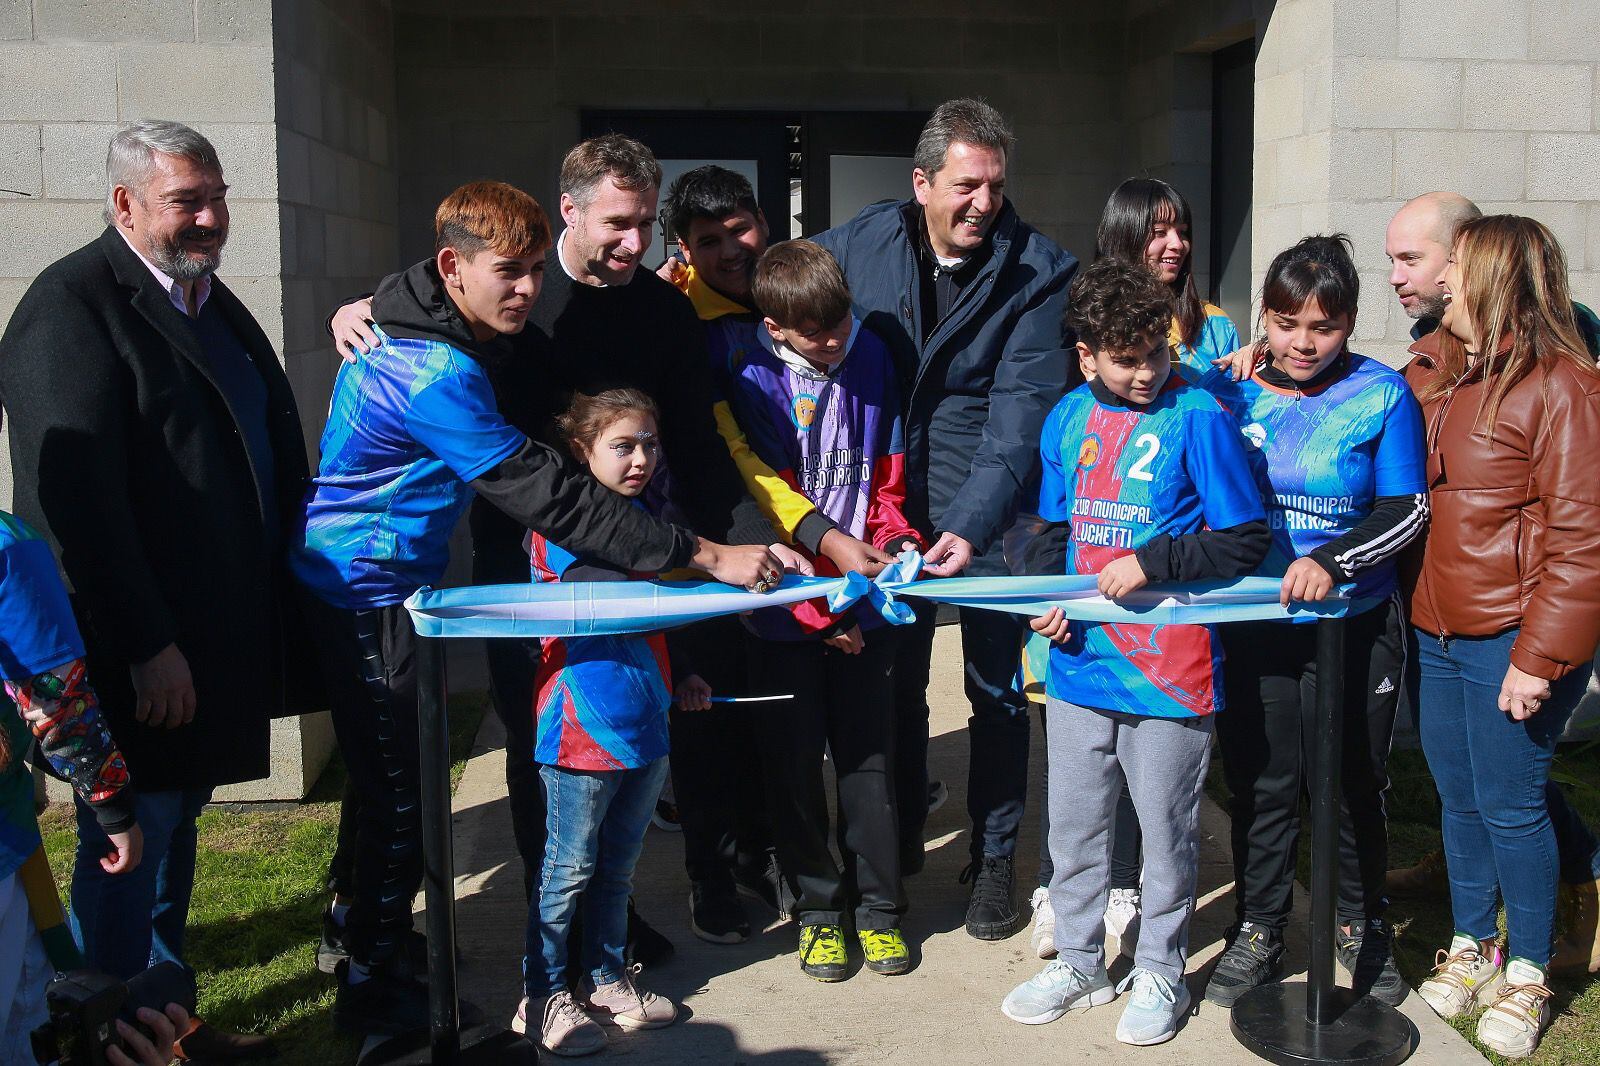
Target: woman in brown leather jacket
<point x="1506" y="603"/>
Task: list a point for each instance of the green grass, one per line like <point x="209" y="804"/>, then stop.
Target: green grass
<point x="1424" y="926"/>
<point x="257" y="909"/>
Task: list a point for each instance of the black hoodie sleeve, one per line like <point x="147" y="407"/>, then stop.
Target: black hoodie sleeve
<point x="539" y="489"/>
<point x="1210" y="555"/>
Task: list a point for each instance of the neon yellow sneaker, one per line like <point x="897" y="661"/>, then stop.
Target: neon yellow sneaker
<point x="822" y="953"/>
<point x="886" y="951"/>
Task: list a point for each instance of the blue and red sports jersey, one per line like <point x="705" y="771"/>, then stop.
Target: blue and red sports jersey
<point x="836" y="438"/>
<point x="1322" y="457"/>
<point x="1121" y="476"/>
<point x="409" y="425"/>
<point x="600" y="703"/>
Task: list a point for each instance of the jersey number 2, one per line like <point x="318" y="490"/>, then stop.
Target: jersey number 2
<point x="1140" y="469"/>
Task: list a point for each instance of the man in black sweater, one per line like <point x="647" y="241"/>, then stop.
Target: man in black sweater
<point x="599" y="323"/>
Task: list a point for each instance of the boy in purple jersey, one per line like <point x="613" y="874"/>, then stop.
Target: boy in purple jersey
<point x="1144" y="479"/>
<point x="818" y="403"/>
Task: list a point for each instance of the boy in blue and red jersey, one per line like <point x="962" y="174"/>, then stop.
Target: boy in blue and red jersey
<point x="1144" y="480"/>
<point x="818" y="403"/>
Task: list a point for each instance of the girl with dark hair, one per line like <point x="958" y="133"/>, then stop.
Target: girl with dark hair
<point x="1504" y="604"/>
<point x="1148" y="223"/>
<point x="1335" y="440"/>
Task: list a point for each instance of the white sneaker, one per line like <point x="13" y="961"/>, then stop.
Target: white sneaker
<point x="1519" y="1015"/>
<point x="1043" y="936"/>
<point x="1151" y="1016"/>
<point x="1057" y="989"/>
<point x="1122" y="922"/>
<point x="1463" y="979"/>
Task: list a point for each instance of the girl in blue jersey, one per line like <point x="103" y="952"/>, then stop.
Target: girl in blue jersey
<point x="1143" y="479"/>
<point x="1146" y="223"/>
<point x="601" y="741"/>
<point x="1335" y="440"/>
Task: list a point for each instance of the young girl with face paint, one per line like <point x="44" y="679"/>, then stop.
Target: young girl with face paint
<point x="600" y="705"/>
<point x="1335" y="440"/>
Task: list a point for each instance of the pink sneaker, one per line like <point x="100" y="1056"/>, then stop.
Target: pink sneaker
<point x="564" y="1028"/>
<point x="625" y="1004"/>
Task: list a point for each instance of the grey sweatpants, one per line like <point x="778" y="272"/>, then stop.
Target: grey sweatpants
<point x="1164" y="760"/>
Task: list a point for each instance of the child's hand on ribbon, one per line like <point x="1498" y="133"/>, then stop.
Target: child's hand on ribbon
<point x="1052" y="625"/>
<point x="1122" y="576"/>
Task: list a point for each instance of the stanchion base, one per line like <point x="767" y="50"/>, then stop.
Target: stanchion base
<point x="1270" y="1020"/>
<point x="481" y="1045"/>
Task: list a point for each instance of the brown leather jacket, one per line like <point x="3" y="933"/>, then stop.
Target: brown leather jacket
<point x="1515" y="536"/>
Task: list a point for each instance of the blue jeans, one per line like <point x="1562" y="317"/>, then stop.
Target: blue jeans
<point x="594" y="830"/>
<point x="128" y="922"/>
<point x="1491" y="773"/>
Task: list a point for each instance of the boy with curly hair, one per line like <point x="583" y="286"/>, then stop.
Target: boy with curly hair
<point x="1144" y="480"/>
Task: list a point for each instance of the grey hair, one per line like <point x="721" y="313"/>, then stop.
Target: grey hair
<point x="624" y="160"/>
<point x="967" y="120"/>
<point x="128" y="158"/>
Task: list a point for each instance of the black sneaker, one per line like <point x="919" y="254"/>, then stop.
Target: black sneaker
<point x="645" y="947"/>
<point x="386" y="1003"/>
<point x="764" y="886"/>
<point x="991" y="914"/>
<point x="334" y="948"/>
<point x="1365" y="955"/>
<point x="1254" y="957"/>
<point x="715" y="915"/>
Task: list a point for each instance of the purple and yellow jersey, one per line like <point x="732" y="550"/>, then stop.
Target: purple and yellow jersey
<point x="409" y="425"/>
<point x="835" y="438"/>
<point x="731" y="333"/>
<point x="1121" y="476"/>
<point x="1216" y="338"/>
<point x="600" y="703"/>
<point x="1322" y="457"/>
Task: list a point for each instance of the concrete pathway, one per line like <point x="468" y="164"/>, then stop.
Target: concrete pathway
<point x="750" y="1003"/>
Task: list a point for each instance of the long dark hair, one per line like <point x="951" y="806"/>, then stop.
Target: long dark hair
<point x="1131" y="213"/>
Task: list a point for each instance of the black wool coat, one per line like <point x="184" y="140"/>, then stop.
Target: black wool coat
<point x="126" y="454"/>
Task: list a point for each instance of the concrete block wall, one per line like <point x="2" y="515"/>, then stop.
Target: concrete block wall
<point x="495" y="89"/>
<point x="338" y="185"/>
<point x="1495" y="99"/>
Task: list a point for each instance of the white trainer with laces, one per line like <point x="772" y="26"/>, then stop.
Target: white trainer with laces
<point x="1151" y="1016"/>
<point x="1519" y="1015"/>
<point x="624" y="1003"/>
<point x="1043" y="935"/>
<point x="1463" y="979"/>
<point x="1122" y="922"/>
<point x="1055" y="990"/>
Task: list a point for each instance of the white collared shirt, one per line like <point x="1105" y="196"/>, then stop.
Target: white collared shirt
<point x="171" y="286"/>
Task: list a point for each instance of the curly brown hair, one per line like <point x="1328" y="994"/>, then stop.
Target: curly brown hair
<point x="1115" y="306"/>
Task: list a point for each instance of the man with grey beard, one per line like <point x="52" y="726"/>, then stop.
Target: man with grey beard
<point x="154" y="439"/>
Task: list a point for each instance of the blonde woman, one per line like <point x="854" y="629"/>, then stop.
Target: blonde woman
<point x="1505" y="604"/>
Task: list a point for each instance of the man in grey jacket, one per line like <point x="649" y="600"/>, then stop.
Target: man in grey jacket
<point x="970" y="300"/>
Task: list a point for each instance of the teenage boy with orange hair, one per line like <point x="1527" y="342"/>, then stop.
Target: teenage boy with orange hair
<point x="412" y="434"/>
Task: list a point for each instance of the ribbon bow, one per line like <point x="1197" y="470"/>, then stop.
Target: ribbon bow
<point x="879" y="593"/>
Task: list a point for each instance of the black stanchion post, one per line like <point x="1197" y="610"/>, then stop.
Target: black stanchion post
<point x="1327" y="1024"/>
<point x="443" y="1044"/>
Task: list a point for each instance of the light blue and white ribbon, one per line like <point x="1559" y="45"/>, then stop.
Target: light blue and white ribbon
<point x="597" y="608"/>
